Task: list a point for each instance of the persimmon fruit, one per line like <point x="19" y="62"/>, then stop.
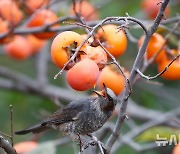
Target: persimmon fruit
<point x="83" y="75"/>
<point x="4" y="28"/>
<point x="63" y="45"/>
<point x="26" y="146"/>
<point x="90" y="40"/>
<point x="176" y="149"/>
<point x="97" y="54"/>
<point x="155" y="44"/>
<point x="112" y="79"/>
<point x="19" y="48"/>
<point x="86" y="9"/>
<point x="33" y="5"/>
<point x="151" y="8"/>
<point x="36" y="43"/>
<point x="41" y="18"/>
<point x="173" y="72"/>
<point x="114" y="40"/>
<point x="9" y="11"/>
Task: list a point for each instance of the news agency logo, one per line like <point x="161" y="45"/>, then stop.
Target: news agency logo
<point x="163" y="141"/>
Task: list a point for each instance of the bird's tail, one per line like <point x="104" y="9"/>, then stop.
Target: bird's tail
<point x="34" y="129"/>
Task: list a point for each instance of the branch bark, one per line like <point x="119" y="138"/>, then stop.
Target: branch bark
<point x="7" y="146"/>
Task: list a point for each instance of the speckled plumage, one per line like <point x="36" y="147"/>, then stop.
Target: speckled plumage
<point x="80" y="117"/>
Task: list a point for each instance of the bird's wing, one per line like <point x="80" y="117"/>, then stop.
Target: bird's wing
<point x="71" y="112"/>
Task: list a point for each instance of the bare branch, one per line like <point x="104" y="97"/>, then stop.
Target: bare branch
<point x="122" y="112"/>
<point x="25" y="84"/>
<point x="159" y="74"/>
<point x="11" y="122"/>
<point x="7" y="146"/>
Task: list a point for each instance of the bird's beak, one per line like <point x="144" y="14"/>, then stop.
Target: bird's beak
<point x="105" y="89"/>
<point x="99" y="93"/>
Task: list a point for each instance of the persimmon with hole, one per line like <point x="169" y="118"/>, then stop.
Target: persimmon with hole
<point x="36" y="43"/>
<point x="83" y="75"/>
<point x="63" y="47"/>
<point x="26" y="146"/>
<point x="113" y="39"/>
<point x="97" y="54"/>
<point x="86" y="9"/>
<point x="176" y="149"/>
<point x="173" y="72"/>
<point x="19" y="48"/>
<point x="90" y="40"/>
<point x="33" y="5"/>
<point x="112" y="78"/>
<point x="155" y="44"/>
<point x="151" y="8"/>
<point x="41" y="18"/>
<point x="10" y="11"/>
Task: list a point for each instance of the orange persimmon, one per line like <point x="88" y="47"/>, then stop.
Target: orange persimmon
<point x="86" y="9"/>
<point x="114" y="40"/>
<point x="173" y="72"/>
<point x="41" y="18"/>
<point x="4" y="29"/>
<point x="10" y="11"/>
<point x="97" y="54"/>
<point x="176" y="149"/>
<point x="83" y="75"/>
<point x="151" y="8"/>
<point x="112" y="79"/>
<point x="36" y="43"/>
<point x="33" y="5"/>
<point x="63" y="45"/>
<point x="155" y="44"/>
<point x="19" y="48"/>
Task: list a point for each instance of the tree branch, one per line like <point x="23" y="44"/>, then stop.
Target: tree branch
<point x="6" y="146"/>
<point x="122" y="112"/>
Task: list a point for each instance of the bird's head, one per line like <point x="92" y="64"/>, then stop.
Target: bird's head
<point x="109" y="99"/>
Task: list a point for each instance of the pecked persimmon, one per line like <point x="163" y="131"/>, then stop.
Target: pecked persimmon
<point x="151" y="8"/>
<point x="112" y="78"/>
<point x="63" y="45"/>
<point x="173" y="72"/>
<point x="155" y="44"/>
<point x="36" y="43"/>
<point x="19" y="48"/>
<point x="83" y="75"/>
<point x="24" y="147"/>
<point x="86" y="9"/>
<point x="9" y="11"/>
<point x="114" y="40"/>
<point x="41" y="18"/>
<point x="90" y="40"/>
<point x="33" y="5"/>
<point x="97" y="54"/>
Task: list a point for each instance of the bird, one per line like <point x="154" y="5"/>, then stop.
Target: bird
<point x="79" y="117"/>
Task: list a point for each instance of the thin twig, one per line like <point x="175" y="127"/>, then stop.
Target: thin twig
<point x="159" y="74"/>
<point x="11" y="122"/>
<point x="4" y="134"/>
<point x="150" y="61"/>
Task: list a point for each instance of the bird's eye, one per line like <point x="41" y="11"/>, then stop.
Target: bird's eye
<point x="110" y="98"/>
